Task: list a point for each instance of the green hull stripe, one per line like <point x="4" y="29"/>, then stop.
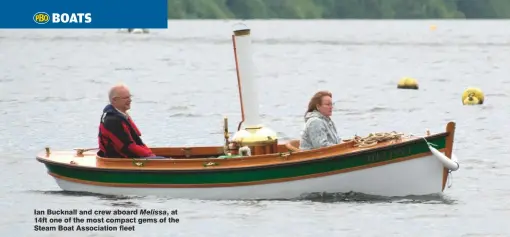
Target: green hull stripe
<point x="246" y="175"/>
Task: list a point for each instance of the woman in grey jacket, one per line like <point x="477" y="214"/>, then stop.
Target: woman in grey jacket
<point x="319" y="130"/>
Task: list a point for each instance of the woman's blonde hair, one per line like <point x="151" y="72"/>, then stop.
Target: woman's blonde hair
<point x="317" y="100"/>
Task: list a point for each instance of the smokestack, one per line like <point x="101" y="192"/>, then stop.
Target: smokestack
<point x="247" y="84"/>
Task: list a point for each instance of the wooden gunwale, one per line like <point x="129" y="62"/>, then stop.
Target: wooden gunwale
<point x="248" y="163"/>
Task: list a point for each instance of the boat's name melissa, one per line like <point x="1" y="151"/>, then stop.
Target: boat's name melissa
<point x="388" y="154"/>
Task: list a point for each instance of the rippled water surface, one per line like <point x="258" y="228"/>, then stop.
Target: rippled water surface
<point x="53" y="86"/>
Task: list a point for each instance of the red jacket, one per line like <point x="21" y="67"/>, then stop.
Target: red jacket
<point x="119" y="137"/>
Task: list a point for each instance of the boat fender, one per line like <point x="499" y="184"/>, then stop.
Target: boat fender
<point x="245" y="151"/>
<point x="451" y="164"/>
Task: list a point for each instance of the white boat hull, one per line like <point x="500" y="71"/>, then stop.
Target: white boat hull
<point x="419" y="176"/>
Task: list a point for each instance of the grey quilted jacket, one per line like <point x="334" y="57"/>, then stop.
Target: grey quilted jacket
<point x="319" y="131"/>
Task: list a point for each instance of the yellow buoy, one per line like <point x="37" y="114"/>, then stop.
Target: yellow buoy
<point x="472" y="96"/>
<point x="407" y="83"/>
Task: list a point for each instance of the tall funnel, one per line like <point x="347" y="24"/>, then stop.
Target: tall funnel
<point x="246" y="78"/>
<point x="254" y="132"/>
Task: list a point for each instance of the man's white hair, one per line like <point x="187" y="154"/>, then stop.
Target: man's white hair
<point x="114" y="91"/>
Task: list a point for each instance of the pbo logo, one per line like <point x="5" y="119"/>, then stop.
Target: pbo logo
<point x="41" y="18"/>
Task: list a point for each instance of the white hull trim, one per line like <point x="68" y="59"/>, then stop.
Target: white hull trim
<point x="419" y="176"/>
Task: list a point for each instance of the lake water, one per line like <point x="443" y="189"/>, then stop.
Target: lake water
<point x="54" y="83"/>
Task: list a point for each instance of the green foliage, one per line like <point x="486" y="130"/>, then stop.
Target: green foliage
<point x="337" y="9"/>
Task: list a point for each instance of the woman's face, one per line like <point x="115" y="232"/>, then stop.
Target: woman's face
<point x="326" y="106"/>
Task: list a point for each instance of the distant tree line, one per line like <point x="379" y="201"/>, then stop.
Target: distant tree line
<point x="337" y="9"/>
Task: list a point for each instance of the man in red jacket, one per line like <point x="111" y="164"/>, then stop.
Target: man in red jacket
<point x="118" y="135"/>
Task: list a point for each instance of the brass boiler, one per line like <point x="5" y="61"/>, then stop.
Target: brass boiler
<point x="259" y="139"/>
